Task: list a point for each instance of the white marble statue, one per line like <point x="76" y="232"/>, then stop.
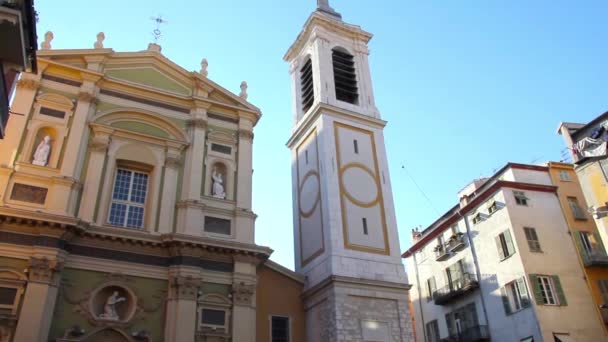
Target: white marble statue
<point x="100" y="38"/>
<point x="204" y="66"/>
<point x="109" y="309"/>
<point x="46" y="44"/>
<point x="41" y="156"/>
<point x="218" y="185"/>
<point x="243" y="93"/>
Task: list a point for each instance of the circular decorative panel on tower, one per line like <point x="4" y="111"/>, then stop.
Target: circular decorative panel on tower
<point x="309" y="195"/>
<point x="359" y="185"/>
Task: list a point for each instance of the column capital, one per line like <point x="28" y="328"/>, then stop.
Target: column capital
<point x="197" y="123"/>
<point x="28" y="84"/>
<point x="242" y="293"/>
<point x="44" y="270"/>
<point x="184" y="287"/>
<point x="85" y="96"/>
<point x="246" y="134"/>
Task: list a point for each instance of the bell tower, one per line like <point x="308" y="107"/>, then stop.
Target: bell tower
<point x="345" y="232"/>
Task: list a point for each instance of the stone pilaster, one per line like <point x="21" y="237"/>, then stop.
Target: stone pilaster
<point x="243" y="312"/>
<point x="181" y="305"/>
<point x="98" y="147"/>
<point x="39" y="300"/>
<point x="169" y="191"/>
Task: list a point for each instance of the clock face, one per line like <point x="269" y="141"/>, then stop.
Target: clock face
<point x="309" y="193"/>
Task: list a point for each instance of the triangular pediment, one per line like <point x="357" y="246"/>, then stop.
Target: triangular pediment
<point x="149" y="76"/>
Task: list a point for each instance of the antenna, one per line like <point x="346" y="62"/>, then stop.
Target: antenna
<point x="156" y="32"/>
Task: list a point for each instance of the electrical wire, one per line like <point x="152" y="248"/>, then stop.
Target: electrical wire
<point x="420" y="189"/>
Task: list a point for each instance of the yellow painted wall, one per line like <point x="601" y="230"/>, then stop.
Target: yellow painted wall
<point x="573" y="188"/>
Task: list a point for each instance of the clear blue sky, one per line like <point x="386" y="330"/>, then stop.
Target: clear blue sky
<point x="465" y="86"/>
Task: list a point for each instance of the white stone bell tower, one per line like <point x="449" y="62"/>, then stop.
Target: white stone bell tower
<point x="346" y="240"/>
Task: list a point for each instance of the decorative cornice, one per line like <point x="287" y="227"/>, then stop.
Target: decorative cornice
<point x="28" y="84"/>
<point x="242" y="293"/>
<point x="245" y="134"/>
<point x="190" y="203"/>
<point x="43" y="270"/>
<point x="184" y="287"/>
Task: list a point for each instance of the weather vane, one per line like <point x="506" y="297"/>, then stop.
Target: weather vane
<point x="157" y="33"/>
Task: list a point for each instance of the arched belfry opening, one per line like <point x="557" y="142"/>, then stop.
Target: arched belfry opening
<point x="345" y="77"/>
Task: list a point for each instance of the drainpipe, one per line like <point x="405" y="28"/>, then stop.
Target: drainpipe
<point x="419" y="296"/>
<point x="477" y="271"/>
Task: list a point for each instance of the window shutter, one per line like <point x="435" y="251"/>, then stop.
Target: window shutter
<point x="523" y="292"/>
<point x="598" y="243"/>
<point x="509" y="241"/>
<point x="538" y="294"/>
<point x="433" y="286"/>
<point x="501" y="253"/>
<point x="505" y="300"/>
<point x="450" y="323"/>
<point x="579" y="243"/>
<point x="560" y="291"/>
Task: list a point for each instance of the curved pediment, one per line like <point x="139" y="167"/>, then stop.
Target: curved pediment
<point x="140" y="121"/>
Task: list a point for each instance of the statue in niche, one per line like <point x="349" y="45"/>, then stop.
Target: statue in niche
<point x="109" y="309"/>
<point x="41" y="156"/>
<point x="218" y="185"/>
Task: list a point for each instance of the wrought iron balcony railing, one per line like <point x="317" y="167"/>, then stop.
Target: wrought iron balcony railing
<point x="458" y="287"/>
<point x="472" y="334"/>
<point x="595" y="258"/>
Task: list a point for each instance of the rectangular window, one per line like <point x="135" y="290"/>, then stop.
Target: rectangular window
<point x="280" y="329"/>
<point x="564" y="176"/>
<point x="504" y="244"/>
<point x="520" y="198"/>
<point x="432" y="331"/>
<point x="515" y="296"/>
<point x="576" y="209"/>
<point x="547" y="289"/>
<point x="217" y="225"/>
<point x="477" y="218"/>
<point x="364" y="225"/>
<point x="128" y="199"/>
<point x="493" y="207"/>
<point x="461" y="323"/>
<point x="213" y="317"/>
<point x="356" y="146"/>
<point x="454" y="229"/>
<point x="221" y="148"/>
<point x="431" y="287"/>
<point x="603" y="286"/>
<point x="532" y="238"/>
<point x="8" y="296"/>
<point x="52" y="112"/>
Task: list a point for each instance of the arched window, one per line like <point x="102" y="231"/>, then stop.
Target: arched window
<point x="345" y="77"/>
<point x="306" y="81"/>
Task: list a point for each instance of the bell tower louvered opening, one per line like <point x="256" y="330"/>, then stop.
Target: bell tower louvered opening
<point x="308" y="93"/>
<point x="345" y="77"/>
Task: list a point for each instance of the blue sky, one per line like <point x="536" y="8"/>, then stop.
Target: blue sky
<point x="465" y="86"/>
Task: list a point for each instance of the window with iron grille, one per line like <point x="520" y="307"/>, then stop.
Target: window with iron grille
<point x="280" y="329"/>
<point x="307" y="86"/>
<point x="345" y="77"/>
<point x="128" y="199"/>
<point x="532" y="238"/>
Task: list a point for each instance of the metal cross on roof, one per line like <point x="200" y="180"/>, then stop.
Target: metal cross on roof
<point x="323" y="6"/>
<point x="157" y="33"/>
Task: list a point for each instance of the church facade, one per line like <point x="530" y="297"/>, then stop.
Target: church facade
<point x="125" y="203"/>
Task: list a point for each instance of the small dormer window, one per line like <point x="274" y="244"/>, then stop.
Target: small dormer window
<point x="308" y="93"/>
<point x="345" y="77"/>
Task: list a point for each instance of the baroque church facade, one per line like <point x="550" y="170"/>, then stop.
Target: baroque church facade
<point x="125" y="202"/>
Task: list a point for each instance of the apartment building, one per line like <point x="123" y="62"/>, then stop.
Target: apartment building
<point x="501" y="265"/>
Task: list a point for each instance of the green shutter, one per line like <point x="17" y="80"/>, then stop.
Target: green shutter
<point x="579" y="243"/>
<point x="501" y="253"/>
<point x="560" y="291"/>
<point x="538" y="294"/>
<point x="505" y="300"/>
<point x="509" y="241"/>
<point x="599" y="245"/>
<point x="523" y="292"/>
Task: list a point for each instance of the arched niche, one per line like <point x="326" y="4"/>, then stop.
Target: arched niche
<point x="35" y="140"/>
<point x="113" y="302"/>
<point x="221" y="167"/>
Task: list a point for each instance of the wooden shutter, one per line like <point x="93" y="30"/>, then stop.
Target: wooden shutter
<point x="579" y="243"/>
<point x="523" y="292"/>
<point x="509" y="242"/>
<point x="599" y="246"/>
<point x="308" y="94"/>
<point x="501" y="253"/>
<point x="345" y="78"/>
<point x="560" y="292"/>
<point x="538" y="293"/>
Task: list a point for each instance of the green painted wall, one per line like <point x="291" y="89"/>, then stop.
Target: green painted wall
<point x="150" y="77"/>
<point x="141" y="127"/>
<point x="76" y="285"/>
<point x="17" y="264"/>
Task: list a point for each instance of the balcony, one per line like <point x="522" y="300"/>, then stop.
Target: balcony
<point x="473" y="334"/>
<point x="441" y="252"/>
<point x="456" y="242"/>
<point x="458" y="287"/>
<point x="595" y="258"/>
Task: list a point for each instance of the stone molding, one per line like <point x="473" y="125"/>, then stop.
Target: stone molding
<point x="173" y="161"/>
<point x="242" y="294"/>
<point x="99" y="144"/>
<point x="28" y="84"/>
<point x="44" y="270"/>
<point x="184" y="287"/>
<point x="86" y="97"/>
